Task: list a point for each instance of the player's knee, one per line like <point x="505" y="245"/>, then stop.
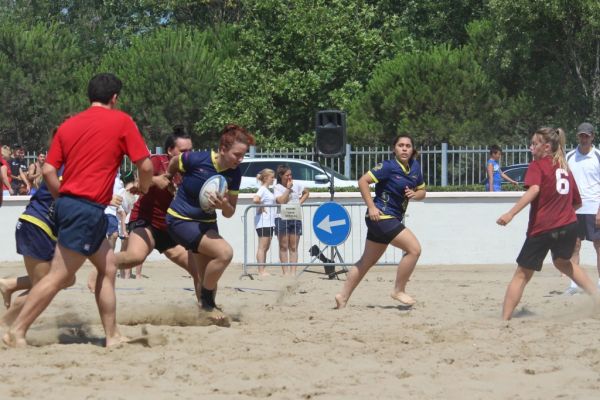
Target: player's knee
<point x="226" y="254"/>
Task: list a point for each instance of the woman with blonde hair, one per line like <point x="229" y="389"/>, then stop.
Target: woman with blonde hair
<point x="554" y="197"/>
<point x="264" y="221"/>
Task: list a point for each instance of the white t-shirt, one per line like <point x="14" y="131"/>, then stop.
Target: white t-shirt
<point x="266" y="218"/>
<point x="117" y="186"/>
<point x="586" y="171"/>
<point x="294" y="196"/>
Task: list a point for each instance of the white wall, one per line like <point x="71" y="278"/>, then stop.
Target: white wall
<point x="453" y="228"/>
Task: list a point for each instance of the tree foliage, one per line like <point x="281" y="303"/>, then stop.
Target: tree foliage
<point x="169" y="76"/>
<point x="296" y="57"/>
<point x="441" y="95"/>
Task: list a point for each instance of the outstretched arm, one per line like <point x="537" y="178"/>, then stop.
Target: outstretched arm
<point x="526" y="199"/>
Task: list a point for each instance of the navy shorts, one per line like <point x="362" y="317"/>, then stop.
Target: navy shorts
<point x="162" y="240"/>
<point x="288" y="227"/>
<point x="586" y="227"/>
<point x="112" y="224"/>
<point x="384" y="230"/>
<point x="189" y="233"/>
<point x="560" y="241"/>
<point x="81" y="224"/>
<point x="33" y="241"/>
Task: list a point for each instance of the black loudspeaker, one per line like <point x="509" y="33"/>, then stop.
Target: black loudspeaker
<point x="331" y="133"/>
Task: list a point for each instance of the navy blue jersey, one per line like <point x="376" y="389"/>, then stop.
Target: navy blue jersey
<point x="38" y="211"/>
<point x="196" y="167"/>
<point x="391" y="179"/>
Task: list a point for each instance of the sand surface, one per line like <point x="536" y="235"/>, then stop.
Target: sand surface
<point x="287" y="342"/>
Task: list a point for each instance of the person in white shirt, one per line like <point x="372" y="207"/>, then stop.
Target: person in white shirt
<point x="584" y="164"/>
<point x="264" y="221"/>
<point x="288" y="231"/>
<point x="112" y="230"/>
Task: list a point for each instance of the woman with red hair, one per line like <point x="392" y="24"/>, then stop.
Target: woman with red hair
<point x="196" y="229"/>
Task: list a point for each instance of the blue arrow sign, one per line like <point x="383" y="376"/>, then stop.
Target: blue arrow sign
<point x="331" y="223"/>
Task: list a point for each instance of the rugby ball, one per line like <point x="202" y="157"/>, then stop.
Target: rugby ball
<point x="217" y="185"/>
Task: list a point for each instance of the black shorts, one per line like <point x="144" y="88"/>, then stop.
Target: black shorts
<point x="189" y="233"/>
<point x="265" y="231"/>
<point x="81" y="224"/>
<point x="162" y="240"/>
<point x="586" y="227"/>
<point x="384" y="230"/>
<point x="560" y="241"/>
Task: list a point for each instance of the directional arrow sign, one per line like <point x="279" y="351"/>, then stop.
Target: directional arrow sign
<point x="331" y="223"/>
<point x="326" y="224"/>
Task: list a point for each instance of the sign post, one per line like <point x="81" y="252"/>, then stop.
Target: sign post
<point x="331" y="224"/>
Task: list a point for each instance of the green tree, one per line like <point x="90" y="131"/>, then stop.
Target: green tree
<point x="440" y="95"/>
<point x="295" y="58"/>
<point x="40" y="67"/>
<point x="169" y="76"/>
<point x="547" y="50"/>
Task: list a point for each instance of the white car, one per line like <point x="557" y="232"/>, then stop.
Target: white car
<point x="307" y="173"/>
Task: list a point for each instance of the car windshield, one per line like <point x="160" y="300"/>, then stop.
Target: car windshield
<point x="329" y="171"/>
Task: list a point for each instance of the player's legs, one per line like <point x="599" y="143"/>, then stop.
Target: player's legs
<point x="373" y="251"/>
<point x="139" y="245"/>
<point x="408" y="242"/>
<point x="597" y="248"/>
<point x="62" y="270"/>
<point x="10" y="285"/>
<point x="104" y="261"/>
<point x="514" y="291"/>
<point x="180" y="256"/>
<point x="576" y="274"/>
<point x="220" y="254"/>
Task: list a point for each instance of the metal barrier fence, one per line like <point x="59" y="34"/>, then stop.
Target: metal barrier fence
<point x="350" y="251"/>
<point x="441" y="165"/>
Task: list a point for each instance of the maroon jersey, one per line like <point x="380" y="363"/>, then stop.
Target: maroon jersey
<point x="553" y="207"/>
<point x="152" y="206"/>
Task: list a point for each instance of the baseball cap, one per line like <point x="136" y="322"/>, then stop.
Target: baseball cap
<point x="585" y="128"/>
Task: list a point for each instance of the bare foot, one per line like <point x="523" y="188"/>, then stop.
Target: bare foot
<point x="12" y="340"/>
<point x="214" y="316"/>
<point x="340" y="301"/>
<point x="116" y="340"/>
<point x="403" y="298"/>
<point x="91" y="283"/>
<point x="264" y="274"/>
<point x="6" y="292"/>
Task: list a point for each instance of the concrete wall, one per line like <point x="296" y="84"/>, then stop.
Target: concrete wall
<point x="453" y="228"/>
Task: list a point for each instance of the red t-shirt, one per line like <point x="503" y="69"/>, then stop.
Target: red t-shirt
<point x="153" y="206"/>
<point x="5" y="163"/>
<point x="91" y="145"/>
<point x="553" y="207"/>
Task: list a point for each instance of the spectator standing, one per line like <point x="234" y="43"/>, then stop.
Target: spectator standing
<point x="494" y="172"/>
<point x="18" y="170"/>
<point x="288" y="231"/>
<point x="584" y="163"/>
<point x="5" y="175"/>
<point x="264" y="221"/>
<point x="34" y="172"/>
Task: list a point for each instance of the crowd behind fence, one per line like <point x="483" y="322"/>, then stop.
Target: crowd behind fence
<point x="442" y="165"/>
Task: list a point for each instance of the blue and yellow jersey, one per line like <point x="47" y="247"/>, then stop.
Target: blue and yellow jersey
<point x="196" y="167"/>
<point x="391" y="178"/>
<point x="38" y="211"/>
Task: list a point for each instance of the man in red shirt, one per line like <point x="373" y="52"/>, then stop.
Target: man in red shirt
<point x="90" y="146"/>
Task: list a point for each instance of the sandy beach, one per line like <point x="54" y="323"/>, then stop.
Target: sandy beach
<point x="287" y="342"/>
